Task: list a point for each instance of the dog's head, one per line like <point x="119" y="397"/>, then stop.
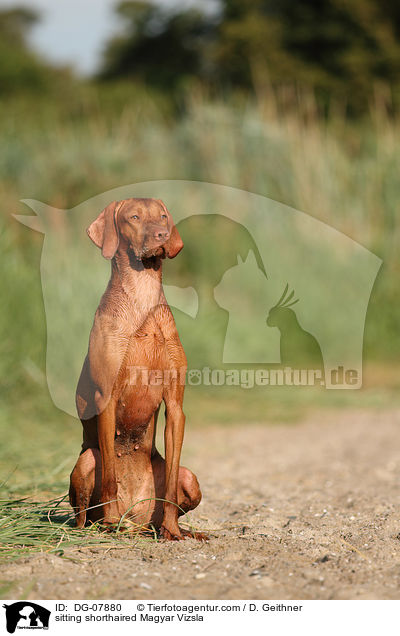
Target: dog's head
<point x="142" y="225"/>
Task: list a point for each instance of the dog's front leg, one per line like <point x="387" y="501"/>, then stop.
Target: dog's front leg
<point x="106" y="434"/>
<point x="173" y="439"/>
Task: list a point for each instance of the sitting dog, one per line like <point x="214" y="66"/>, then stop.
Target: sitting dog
<point x="134" y="362"/>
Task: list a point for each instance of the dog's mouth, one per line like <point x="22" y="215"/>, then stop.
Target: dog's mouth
<point x="147" y="253"/>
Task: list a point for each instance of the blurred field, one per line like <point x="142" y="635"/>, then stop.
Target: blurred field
<point x="91" y="140"/>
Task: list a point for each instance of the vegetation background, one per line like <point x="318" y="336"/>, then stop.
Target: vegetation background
<point x="298" y="102"/>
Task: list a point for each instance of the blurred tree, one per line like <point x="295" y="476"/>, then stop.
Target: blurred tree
<point x="20" y="69"/>
<point x="340" y="48"/>
<point x="160" y="48"/>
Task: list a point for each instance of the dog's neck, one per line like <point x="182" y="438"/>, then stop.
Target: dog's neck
<point x="140" y="280"/>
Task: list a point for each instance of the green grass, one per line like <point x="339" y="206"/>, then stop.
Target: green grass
<point x="343" y="173"/>
<point x="28" y="526"/>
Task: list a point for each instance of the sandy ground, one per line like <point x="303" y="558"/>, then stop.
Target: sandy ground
<point x="295" y="512"/>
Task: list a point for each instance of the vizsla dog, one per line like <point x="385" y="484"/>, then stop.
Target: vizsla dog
<point x="135" y="361"/>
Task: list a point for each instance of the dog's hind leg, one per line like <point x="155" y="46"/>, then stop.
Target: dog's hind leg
<point x="84" y="487"/>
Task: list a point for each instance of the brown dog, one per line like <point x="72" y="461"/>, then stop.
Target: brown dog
<point x="135" y="361"/>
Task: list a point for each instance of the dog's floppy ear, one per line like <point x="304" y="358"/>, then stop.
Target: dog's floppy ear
<point x="174" y="244"/>
<point x="104" y="230"/>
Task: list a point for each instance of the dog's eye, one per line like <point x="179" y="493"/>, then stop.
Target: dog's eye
<point x="134" y="217"/>
<point x="163" y="216"/>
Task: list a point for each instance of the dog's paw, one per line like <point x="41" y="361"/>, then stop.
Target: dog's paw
<point x="171" y="535"/>
<point x="181" y="534"/>
<point x="191" y="534"/>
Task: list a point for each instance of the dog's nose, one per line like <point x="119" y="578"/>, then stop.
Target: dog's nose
<point x="161" y="235"/>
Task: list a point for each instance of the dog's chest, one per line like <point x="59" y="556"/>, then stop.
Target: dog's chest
<point x="143" y="376"/>
<point x="147" y="348"/>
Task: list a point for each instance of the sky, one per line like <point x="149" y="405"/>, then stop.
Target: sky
<point x="74" y="32"/>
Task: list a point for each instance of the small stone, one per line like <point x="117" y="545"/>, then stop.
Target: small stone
<point x="145" y="586"/>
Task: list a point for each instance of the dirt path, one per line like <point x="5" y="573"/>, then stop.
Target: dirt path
<point x="300" y="512"/>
